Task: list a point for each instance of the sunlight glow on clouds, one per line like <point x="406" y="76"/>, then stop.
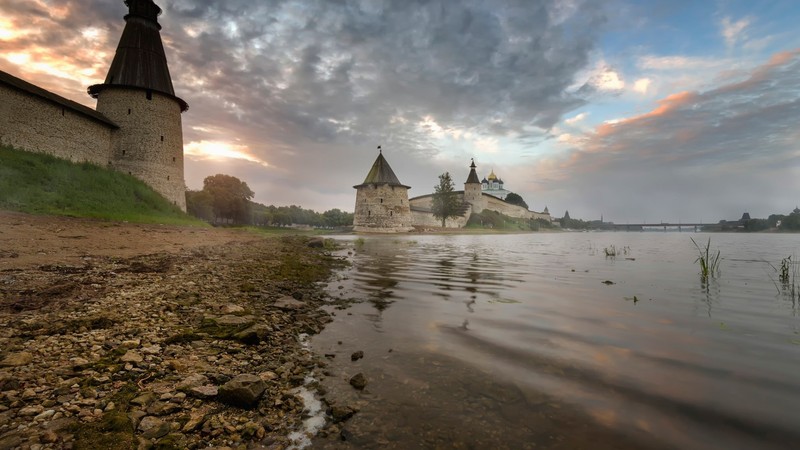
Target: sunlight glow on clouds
<point x="216" y="150"/>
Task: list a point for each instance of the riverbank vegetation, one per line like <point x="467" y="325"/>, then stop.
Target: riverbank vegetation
<point x="36" y="183"/>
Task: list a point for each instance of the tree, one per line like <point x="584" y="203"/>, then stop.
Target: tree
<point x="445" y="200"/>
<point x="516" y="199"/>
<point x="230" y="197"/>
<point x="199" y="204"/>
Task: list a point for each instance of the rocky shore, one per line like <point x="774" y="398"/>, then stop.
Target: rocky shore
<point x="174" y="340"/>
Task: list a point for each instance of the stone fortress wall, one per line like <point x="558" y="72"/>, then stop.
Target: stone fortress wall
<point x="149" y="143"/>
<point x="38" y="124"/>
<point x="382" y="208"/>
<point x="421" y="211"/>
<point x="495" y="204"/>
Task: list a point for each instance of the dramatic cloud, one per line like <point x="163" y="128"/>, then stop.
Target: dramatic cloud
<point x="720" y="151"/>
<point x="293" y="96"/>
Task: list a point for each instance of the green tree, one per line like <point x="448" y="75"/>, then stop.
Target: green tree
<point x="199" y="204"/>
<point x="516" y="199"/>
<point x="230" y="197"/>
<point x="445" y="200"/>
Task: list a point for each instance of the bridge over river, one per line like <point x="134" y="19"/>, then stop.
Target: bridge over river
<point x="680" y="226"/>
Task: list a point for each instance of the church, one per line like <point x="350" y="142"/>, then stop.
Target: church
<point x="494" y="186"/>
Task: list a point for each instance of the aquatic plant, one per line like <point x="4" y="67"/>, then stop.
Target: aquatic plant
<point x="358" y="243"/>
<point x="709" y="262"/>
<point x="611" y="252"/>
<point x="784" y="270"/>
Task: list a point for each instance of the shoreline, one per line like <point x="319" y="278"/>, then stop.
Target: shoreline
<point x="124" y="335"/>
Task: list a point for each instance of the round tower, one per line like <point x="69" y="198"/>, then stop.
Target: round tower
<point x="382" y="201"/>
<point x="138" y="96"/>
<point x="472" y="190"/>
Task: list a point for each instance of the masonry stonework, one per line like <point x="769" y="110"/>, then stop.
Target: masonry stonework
<point x="39" y="125"/>
<point x="382" y="208"/>
<point x="149" y="143"/>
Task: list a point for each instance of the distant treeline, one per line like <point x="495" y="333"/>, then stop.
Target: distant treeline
<point x="780" y="222"/>
<point x="225" y="199"/>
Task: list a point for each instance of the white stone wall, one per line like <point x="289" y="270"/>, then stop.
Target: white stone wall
<point x="382" y="209"/>
<point x="495" y="204"/>
<point x="149" y="143"/>
<point x="29" y="122"/>
<point x="427" y="219"/>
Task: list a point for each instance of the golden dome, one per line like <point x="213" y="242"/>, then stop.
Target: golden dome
<point x="492" y="176"/>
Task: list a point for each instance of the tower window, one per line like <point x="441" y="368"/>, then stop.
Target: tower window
<point x="149" y="95"/>
<point x="123" y="153"/>
<point x="391" y="213"/>
<point x="369" y="213"/>
<point x="62" y="111"/>
<point x="173" y="159"/>
<point x="167" y="177"/>
<point x="162" y="138"/>
<point x="129" y="111"/>
<point x="381" y="200"/>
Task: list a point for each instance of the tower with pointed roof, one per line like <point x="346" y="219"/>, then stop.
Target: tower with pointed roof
<point x="138" y="96"/>
<point x="382" y="201"/>
<point x="472" y="190"/>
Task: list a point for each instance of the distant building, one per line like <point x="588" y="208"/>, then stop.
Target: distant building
<point x="382" y="204"/>
<point x="493" y="185"/>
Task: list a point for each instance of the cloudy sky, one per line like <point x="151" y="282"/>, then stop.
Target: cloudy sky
<point x="637" y="110"/>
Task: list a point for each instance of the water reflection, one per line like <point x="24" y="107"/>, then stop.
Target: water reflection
<point x="689" y="364"/>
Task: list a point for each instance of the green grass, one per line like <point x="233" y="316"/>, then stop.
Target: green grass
<point x="709" y="262"/>
<point x="42" y="184"/>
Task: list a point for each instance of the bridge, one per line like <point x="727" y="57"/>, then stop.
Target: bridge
<point x="680" y="226"/>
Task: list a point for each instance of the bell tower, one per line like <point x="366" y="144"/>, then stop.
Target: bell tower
<point x="138" y="96"/>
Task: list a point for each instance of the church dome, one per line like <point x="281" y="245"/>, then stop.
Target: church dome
<point x="492" y="176"/>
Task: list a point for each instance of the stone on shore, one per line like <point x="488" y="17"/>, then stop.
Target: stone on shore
<point x="358" y="381"/>
<point x="17" y="359"/>
<point x="242" y="391"/>
<point x="289" y="303"/>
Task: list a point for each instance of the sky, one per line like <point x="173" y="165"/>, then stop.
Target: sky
<point x="634" y="110"/>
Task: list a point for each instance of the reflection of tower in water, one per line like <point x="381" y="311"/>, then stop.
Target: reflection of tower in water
<point x="378" y="277"/>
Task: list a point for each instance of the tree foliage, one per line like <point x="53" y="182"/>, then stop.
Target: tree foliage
<point x="230" y="197"/>
<point x="516" y="199"/>
<point x="445" y="200"/>
<point x="199" y="204"/>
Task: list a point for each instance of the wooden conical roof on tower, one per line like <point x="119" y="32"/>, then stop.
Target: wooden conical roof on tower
<point x="140" y="61"/>
<point x="381" y="173"/>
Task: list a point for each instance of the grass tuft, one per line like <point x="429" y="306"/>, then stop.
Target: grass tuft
<point x="709" y="262"/>
<point x="42" y="184"/>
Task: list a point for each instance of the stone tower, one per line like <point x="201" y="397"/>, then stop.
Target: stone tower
<point x="472" y="190"/>
<point x="382" y="201"/>
<point x="138" y="96"/>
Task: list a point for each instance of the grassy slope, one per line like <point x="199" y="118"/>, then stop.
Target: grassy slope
<point x="42" y="184"/>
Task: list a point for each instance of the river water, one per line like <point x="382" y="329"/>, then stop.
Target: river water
<point x="542" y="341"/>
